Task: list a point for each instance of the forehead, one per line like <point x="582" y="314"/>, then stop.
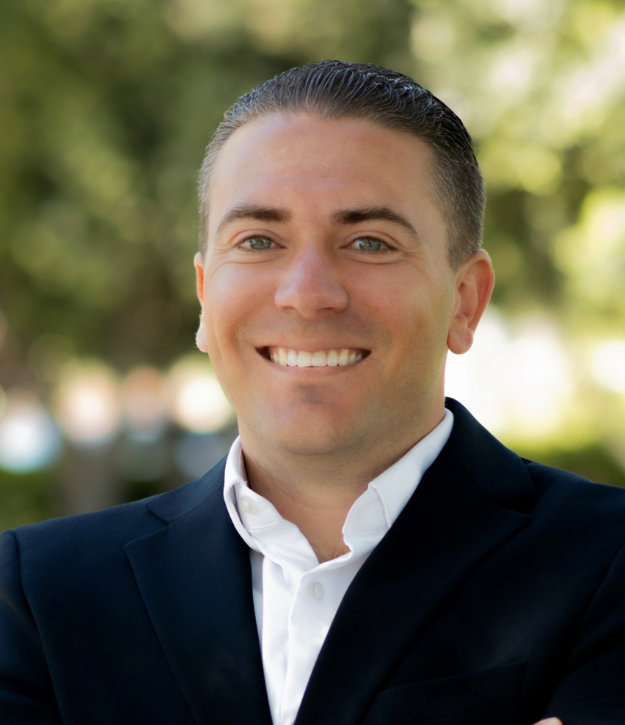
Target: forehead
<point x="344" y="162"/>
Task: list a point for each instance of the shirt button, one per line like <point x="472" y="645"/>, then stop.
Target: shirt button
<point x="316" y="590"/>
<point x="247" y="505"/>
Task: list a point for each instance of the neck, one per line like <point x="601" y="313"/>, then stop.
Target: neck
<point x="316" y="492"/>
<point x="319" y="511"/>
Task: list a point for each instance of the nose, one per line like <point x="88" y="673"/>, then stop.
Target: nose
<point x="310" y="284"/>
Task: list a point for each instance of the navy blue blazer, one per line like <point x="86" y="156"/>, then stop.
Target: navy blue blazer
<point x="496" y="598"/>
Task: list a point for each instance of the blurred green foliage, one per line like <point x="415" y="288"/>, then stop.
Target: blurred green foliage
<point x="25" y="499"/>
<point x="106" y="107"/>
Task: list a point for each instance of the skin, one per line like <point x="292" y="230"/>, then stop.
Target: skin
<point x="293" y="269"/>
<point x="314" y="438"/>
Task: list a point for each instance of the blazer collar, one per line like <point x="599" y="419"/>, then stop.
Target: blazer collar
<point x="497" y="470"/>
<point x="467" y="504"/>
<point x="195" y="579"/>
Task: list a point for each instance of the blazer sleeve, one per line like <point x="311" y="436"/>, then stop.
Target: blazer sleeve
<point x="593" y="689"/>
<point x="26" y="692"/>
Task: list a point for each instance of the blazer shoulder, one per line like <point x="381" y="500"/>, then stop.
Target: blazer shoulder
<point x="560" y="504"/>
<point x="567" y="499"/>
<point x="111" y="529"/>
<point x="566" y="483"/>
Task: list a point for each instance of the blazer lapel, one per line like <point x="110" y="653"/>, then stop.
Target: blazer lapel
<point x="195" y="579"/>
<point x="449" y="525"/>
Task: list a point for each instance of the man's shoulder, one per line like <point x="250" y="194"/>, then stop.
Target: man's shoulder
<point x="120" y="522"/>
<point x="574" y="497"/>
<point x="552" y="497"/>
<point x="112" y="528"/>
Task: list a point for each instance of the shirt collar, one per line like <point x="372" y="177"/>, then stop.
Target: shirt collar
<point x="374" y="511"/>
<point x="396" y="484"/>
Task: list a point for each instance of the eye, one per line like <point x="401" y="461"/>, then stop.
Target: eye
<point x="258" y="243"/>
<point x="370" y="244"/>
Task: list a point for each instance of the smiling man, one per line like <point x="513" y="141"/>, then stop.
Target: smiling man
<point x="330" y="304"/>
<point x="367" y="554"/>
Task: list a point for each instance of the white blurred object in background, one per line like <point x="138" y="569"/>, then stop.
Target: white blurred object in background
<point x="29" y="438"/>
<point x="198" y="403"/>
<point x="88" y="403"/>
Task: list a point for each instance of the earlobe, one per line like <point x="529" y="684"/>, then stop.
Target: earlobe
<point x="200" y="335"/>
<point x="474" y="285"/>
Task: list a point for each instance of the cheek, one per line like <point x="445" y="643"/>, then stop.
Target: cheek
<point x="418" y="320"/>
<point x="237" y="283"/>
<point x="233" y="296"/>
<point x="222" y="305"/>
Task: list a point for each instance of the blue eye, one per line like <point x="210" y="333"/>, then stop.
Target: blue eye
<point x="257" y="243"/>
<point x="370" y="244"/>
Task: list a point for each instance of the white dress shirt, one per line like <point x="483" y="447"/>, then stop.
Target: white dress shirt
<point x="296" y="597"/>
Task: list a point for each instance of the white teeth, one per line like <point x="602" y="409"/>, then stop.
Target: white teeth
<point x="304" y="359"/>
<point x="318" y="359"/>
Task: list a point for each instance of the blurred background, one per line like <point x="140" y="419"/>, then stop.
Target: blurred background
<point x="105" y="109"/>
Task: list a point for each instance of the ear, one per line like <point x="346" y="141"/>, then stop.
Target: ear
<point x="200" y="335"/>
<point x="474" y="285"/>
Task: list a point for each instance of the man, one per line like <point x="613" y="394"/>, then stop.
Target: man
<point x="367" y="553"/>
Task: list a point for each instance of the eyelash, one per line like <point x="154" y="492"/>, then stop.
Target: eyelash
<point x="378" y="241"/>
<point x="253" y="238"/>
<point x="359" y="239"/>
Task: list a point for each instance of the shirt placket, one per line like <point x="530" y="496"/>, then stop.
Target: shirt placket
<point x="309" y="620"/>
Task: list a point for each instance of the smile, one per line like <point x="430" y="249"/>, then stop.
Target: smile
<point x="288" y="357"/>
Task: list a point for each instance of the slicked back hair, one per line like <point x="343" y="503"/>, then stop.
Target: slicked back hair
<point x="333" y="89"/>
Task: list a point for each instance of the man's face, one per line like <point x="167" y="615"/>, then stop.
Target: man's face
<point x="324" y="238"/>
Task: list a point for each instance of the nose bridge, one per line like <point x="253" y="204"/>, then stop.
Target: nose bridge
<point x="310" y="282"/>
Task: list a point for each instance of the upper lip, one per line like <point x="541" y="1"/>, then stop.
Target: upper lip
<point x="314" y="347"/>
<point x="309" y="346"/>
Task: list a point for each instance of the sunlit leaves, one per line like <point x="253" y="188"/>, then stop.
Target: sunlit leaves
<point x="106" y="107"/>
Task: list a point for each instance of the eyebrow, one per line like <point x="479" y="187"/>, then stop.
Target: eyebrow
<point x="256" y="213"/>
<point x="374" y="213"/>
<point x="343" y="217"/>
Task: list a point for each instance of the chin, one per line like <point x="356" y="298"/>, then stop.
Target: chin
<point x="307" y="440"/>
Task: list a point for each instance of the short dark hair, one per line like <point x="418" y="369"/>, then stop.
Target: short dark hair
<point x="334" y="89"/>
